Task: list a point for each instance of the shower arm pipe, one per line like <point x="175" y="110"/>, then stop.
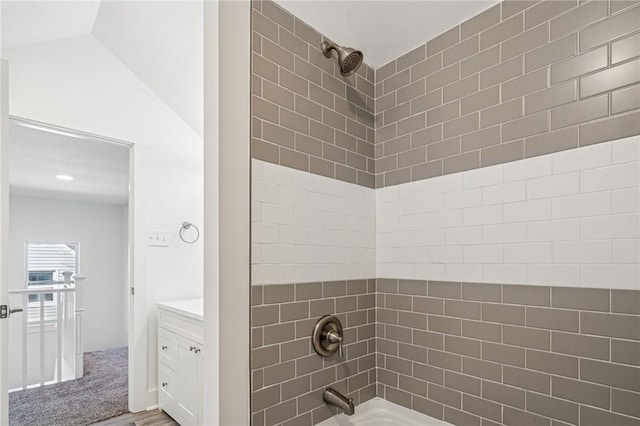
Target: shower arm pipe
<point x="328" y="47"/>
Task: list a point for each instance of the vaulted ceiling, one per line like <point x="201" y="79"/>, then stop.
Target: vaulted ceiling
<point x="159" y="41"/>
<point x="24" y="22"/>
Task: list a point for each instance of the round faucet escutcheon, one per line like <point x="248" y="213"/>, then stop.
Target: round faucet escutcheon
<point x="327" y="336"/>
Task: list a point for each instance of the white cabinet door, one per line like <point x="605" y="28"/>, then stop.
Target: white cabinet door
<point x="180" y="369"/>
<point x="188" y="378"/>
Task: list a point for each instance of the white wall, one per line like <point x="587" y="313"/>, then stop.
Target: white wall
<point x="100" y="231"/>
<point x="569" y="218"/>
<point x="171" y="32"/>
<point x="309" y="228"/>
<point x="79" y="84"/>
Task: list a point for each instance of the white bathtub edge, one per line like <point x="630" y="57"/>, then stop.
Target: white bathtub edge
<point x="382" y="412"/>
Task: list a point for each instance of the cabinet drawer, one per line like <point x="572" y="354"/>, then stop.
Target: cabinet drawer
<point x="167" y="388"/>
<point x="167" y="348"/>
<point x="187" y="327"/>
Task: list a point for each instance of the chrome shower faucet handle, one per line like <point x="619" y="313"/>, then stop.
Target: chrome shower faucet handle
<point x="334" y="337"/>
<point x="327" y="336"/>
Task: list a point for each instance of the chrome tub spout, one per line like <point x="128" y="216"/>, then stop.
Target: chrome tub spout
<point x="335" y="398"/>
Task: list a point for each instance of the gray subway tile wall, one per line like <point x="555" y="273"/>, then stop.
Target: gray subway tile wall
<point x="528" y="69"/>
<point x="555" y="364"/>
<point x="305" y="115"/>
<point x="466" y="353"/>
<point x="491" y="90"/>
<point x="288" y="377"/>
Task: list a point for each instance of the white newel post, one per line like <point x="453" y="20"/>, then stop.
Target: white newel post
<point x="79" y="317"/>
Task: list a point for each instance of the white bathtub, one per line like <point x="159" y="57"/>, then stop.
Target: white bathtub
<point x="379" y="412"/>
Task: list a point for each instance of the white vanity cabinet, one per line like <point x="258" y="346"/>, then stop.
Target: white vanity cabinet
<point x="180" y="359"/>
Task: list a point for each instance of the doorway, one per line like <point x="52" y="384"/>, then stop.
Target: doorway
<point x="69" y="273"/>
<point x="113" y="73"/>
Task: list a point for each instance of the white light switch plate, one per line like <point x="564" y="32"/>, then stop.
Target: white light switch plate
<point x="158" y="238"/>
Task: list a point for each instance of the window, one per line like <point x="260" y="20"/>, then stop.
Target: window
<point x="40" y="276"/>
<point x="45" y="264"/>
<point x="47" y="261"/>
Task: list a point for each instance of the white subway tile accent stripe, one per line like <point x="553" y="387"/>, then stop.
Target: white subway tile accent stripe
<point x="306" y="227"/>
<point x="570" y="218"/>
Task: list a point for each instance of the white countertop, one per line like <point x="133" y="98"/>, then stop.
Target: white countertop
<point x="192" y="308"/>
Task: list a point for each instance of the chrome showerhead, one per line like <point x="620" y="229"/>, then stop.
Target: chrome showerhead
<point x="349" y="59"/>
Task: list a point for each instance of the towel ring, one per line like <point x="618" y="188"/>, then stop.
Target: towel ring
<point x="184" y="227"/>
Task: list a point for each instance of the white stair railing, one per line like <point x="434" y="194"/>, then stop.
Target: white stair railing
<point x="78" y="326"/>
<point x="58" y="308"/>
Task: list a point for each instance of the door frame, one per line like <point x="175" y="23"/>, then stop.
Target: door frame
<point x="136" y="264"/>
<point x="4" y="238"/>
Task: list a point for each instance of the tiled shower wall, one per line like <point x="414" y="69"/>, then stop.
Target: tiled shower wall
<point x="313" y="216"/>
<point x="288" y="377"/>
<point x="307" y="116"/>
<point x="570" y="218"/>
<point x="307" y="227"/>
<point x="469" y="353"/>
<point x="487" y="354"/>
<point x="522" y="79"/>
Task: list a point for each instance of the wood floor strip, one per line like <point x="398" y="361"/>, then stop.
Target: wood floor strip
<point x="146" y="418"/>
